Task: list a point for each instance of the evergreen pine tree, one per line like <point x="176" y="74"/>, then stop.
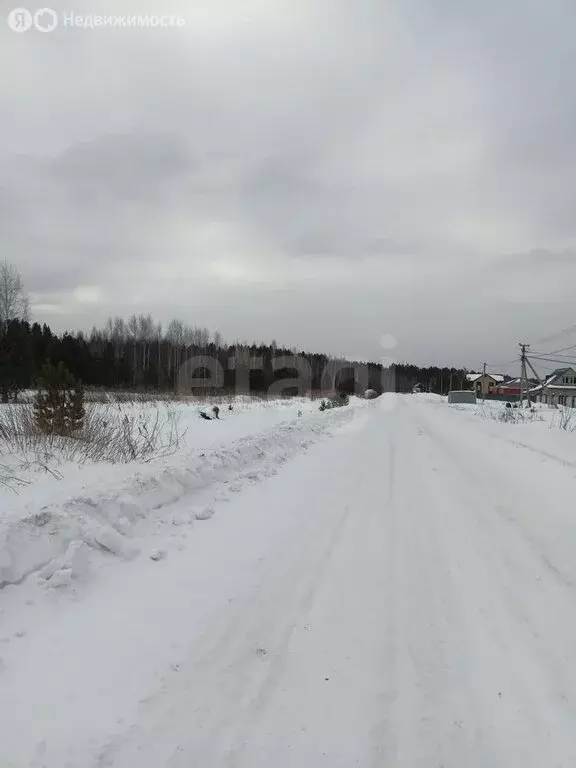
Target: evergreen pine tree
<point x="59" y="402"/>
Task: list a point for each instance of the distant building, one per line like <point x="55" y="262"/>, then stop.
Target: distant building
<point x="417" y="388"/>
<point x="485" y="383"/>
<point x="513" y="387"/>
<point x="558" y="389"/>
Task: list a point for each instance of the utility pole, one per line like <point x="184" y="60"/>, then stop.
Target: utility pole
<point x="524" y="385"/>
<point x="484" y="382"/>
<point x="542" y="382"/>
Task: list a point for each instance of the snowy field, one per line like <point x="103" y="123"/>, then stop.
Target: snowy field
<point x="387" y="584"/>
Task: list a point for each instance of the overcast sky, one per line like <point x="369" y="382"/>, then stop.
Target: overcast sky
<point x="321" y="172"/>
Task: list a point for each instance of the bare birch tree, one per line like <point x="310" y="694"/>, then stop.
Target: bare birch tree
<point x="14" y="303"/>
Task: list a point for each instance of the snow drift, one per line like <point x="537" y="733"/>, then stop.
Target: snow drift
<point x="54" y="541"/>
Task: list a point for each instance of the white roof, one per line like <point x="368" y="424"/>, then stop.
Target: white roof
<point x="475" y="376"/>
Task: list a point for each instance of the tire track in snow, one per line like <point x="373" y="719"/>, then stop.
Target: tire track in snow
<point x="531" y="601"/>
<point x="221" y="715"/>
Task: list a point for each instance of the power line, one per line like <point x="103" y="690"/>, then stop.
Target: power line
<point x="558" y="335"/>
<point x="554" y="357"/>
<point x="567" y="361"/>
<point x="551" y="355"/>
<point x="501" y="365"/>
<point x="556" y="351"/>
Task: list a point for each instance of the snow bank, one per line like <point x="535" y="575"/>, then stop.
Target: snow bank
<point x="53" y="540"/>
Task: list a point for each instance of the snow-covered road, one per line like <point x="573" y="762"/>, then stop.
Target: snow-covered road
<point x="403" y="594"/>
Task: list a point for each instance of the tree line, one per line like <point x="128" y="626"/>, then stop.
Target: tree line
<point x="127" y="356"/>
<point x="138" y="354"/>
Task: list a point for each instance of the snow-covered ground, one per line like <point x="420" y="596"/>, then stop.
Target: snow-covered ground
<point x="549" y="432"/>
<point x="401" y="594"/>
<point x="49" y="526"/>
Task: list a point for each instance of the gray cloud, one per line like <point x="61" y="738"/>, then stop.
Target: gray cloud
<point x="133" y="168"/>
<point x="303" y="170"/>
